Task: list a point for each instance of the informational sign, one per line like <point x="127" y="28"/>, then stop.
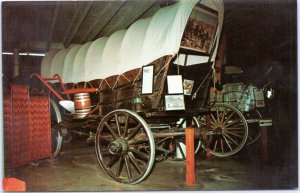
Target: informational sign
<point x="175" y="84"/>
<point x="147" y="81"/>
<point x="174" y="102"/>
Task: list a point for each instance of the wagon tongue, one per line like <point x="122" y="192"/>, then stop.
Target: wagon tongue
<point x="68" y="105"/>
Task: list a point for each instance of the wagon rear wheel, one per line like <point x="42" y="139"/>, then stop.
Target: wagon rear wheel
<point x="56" y="134"/>
<point x="125" y="146"/>
<point x="227" y="130"/>
<point x="195" y="124"/>
<point x="254" y="132"/>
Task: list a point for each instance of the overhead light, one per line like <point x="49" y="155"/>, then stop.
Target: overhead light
<point x="36" y="54"/>
<point x="7" y="53"/>
<point x="24" y="54"/>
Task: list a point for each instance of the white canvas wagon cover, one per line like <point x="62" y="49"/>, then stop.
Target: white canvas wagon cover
<point x="143" y="42"/>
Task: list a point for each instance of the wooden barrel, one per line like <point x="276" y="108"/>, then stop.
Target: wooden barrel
<point x="82" y="104"/>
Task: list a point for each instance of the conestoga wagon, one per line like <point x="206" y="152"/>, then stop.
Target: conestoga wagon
<point x="134" y="92"/>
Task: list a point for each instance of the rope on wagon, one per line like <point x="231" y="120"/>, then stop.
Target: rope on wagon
<point x="137" y="76"/>
<point x="100" y="83"/>
<point x="125" y="77"/>
<point x="107" y="83"/>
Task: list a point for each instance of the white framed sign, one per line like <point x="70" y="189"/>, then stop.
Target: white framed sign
<point x="174" y="102"/>
<point x="174" y="84"/>
<point x="147" y="80"/>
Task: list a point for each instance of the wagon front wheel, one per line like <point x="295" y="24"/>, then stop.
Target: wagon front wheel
<point x="56" y="134"/>
<point x="125" y="146"/>
<point x="227" y="130"/>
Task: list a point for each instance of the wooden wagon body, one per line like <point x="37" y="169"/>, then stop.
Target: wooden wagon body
<point x="145" y="85"/>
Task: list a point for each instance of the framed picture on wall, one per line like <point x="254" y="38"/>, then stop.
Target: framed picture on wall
<point x="174" y="102"/>
<point x="200" y="30"/>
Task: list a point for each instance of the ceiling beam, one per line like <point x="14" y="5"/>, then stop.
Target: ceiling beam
<point x="76" y="22"/>
<point x="96" y="33"/>
<point x="109" y="9"/>
<point x="129" y="12"/>
<point x="52" y="24"/>
<point x="148" y="12"/>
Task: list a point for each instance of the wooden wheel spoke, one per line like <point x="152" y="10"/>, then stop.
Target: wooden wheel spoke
<point x="202" y="122"/>
<point x="134" y="131"/>
<point x="118" y="124"/>
<point x="233" y="122"/>
<point x="128" y="168"/>
<point x="112" y="161"/>
<point x="235" y="134"/>
<point x="215" y="146"/>
<point x="120" y="166"/>
<point x="214" y="119"/>
<point x="181" y="123"/>
<point x="111" y="130"/>
<point x="218" y="116"/>
<point x="223" y="116"/>
<point x="229" y="117"/>
<point x="140" y="154"/>
<point x="133" y="160"/>
<point x="202" y="119"/>
<point x="126" y="126"/>
<point x="227" y="143"/>
<point x="213" y="125"/>
<point x="222" y="145"/>
<point x="250" y="137"/>
<point x="107" y="138"/>
<point x="231" y="139"/>
<point x="235" y="128"/>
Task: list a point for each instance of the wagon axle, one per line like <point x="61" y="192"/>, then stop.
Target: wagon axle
<point x="118" y="147"/>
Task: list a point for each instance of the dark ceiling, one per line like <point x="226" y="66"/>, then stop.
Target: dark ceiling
<point x="253" y="27"/>
<point x="32" y="26"/>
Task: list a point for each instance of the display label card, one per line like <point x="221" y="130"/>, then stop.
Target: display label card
<point x="175" y="84"/>
<point x="174" y="102"/>
<point x="147" y="81"/>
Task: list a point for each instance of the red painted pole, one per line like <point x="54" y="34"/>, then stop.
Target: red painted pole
<point x="13" y="185"/>
<point x="190" y="156"/>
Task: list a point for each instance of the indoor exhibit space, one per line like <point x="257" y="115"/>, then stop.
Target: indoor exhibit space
<point x="149" y="95"/>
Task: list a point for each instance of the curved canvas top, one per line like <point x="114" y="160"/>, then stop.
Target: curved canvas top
<point x="145" y="41"/>
<point x="57" y="63"/>
<point x="46" y="62"/>
<point x="68" y="64"/>
<point x="93" y="59"/>
<point x="165" y="30"/>
<point x="132" y="44"/>
<point x="110" y="57"/>
<point x="78" y="67"/>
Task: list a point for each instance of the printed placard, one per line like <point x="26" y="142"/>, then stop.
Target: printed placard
<point x="174" y="102"/>
<point x="175" y="84"/>
<point x="147" y="81"/>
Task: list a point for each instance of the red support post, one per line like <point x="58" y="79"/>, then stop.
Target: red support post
<point x="13" y="185"/>
<point x="190" y="156"/>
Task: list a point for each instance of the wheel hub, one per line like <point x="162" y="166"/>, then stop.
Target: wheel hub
<point x="219" y="130"/>
<point x="118" y="147"/>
